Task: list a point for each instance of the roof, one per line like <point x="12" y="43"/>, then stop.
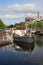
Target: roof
<point x="28" y="19"/>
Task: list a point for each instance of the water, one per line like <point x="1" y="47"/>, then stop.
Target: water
<point x="34" y="56"/>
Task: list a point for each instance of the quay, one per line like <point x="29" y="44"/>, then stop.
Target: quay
<point x="5" y="40"/>
<point x="4" y="43"/>
<point x="41" y="33"/>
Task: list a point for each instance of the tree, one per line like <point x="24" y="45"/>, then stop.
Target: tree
<point x="30" y="26"/>
<point x="2" y="25"/>
<point x="34" y="25"/>
<point x="20" y="25"/>
<point x="39" y="25"/>
<point x="10" y="26"/>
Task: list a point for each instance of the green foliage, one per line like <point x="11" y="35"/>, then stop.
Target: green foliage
<point x="16" y="25"/>
<point x="39" y="25"/>
<point x="20" y="25"/>
<point x="36" y="25"/>
<point x="39" y="43"/>
<point x="2" y="25"/>
<point x="30" y="26"/>
<point x="10" y="26"/>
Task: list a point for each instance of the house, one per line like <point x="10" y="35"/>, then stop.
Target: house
<point x="29" y="20"/>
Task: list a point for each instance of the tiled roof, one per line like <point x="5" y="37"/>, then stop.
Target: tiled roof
<point x="28" y="19"/>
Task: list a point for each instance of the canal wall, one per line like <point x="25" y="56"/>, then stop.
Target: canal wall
<point x="5" y="39"/>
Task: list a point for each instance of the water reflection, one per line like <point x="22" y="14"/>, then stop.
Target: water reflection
<point x="9" y="55"/>
<point x="39" y="40"/>
<point x="30" y="47"/>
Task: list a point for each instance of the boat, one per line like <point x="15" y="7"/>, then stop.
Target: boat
<point x="39" y="32"/>
<point x="23" y="41"/>
<point x="29" y="48"/>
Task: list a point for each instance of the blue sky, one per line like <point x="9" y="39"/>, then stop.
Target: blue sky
<point x="14" y="11"/>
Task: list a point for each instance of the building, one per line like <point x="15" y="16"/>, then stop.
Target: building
<point x="41" y="18"/>
<point x="2" y="35"/>
<point x="29" y="20"/>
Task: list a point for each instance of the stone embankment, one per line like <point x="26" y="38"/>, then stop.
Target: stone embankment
<point x="6" y="39"/>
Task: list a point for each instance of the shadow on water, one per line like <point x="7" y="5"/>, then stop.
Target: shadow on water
<point x="28" y="48"/>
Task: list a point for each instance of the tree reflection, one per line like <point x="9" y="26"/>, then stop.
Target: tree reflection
<point x="39" y="43"/>
<point x="39" y="40"/>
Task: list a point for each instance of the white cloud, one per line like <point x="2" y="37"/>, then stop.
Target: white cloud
<point x="21" y="8"/>
<point x="24" y="7"/>
<point x="8" y="16"/>
<point x="12" y="16"/>
<point x="4" y="10"/>
<point x="24" y="10"/>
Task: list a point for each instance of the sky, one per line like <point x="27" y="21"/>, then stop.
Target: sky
<point x="15" y="11"/>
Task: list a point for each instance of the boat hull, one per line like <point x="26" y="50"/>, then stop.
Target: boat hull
<point x="23" y="41"/>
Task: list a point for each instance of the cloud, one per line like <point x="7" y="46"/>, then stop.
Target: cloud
<point x="24" y="10"/>
<point x="4" y="10"/>
<point x="8" y="16"/>
<point x="21" y="8"/>
<point x="12" y="16"/>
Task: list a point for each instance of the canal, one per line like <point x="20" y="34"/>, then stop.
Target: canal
<point x="34" y="56"/>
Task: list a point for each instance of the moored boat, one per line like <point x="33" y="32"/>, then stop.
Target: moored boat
<point x="39" y="32"/>
<point x="23" y="41"/>
<point x="26" y="39"/>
